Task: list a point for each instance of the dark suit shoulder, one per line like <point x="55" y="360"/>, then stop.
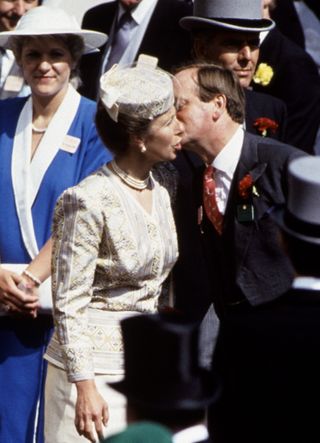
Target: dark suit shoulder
<point x="297" y="82"/>
<point x="287" y="19"/>
<point x="276" y="44"/>
<point x="276" y="157"/>
<point x="100" y="17"/>
<point x="268" y="101"/>
<point x="260" y="105"/>
<point x="164" y="38"/>
<point x="273" y="150"/>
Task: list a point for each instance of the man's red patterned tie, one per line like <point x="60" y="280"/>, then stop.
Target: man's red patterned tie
<point x="209" y="199"/>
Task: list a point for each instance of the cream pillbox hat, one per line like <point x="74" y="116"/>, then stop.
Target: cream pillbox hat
<point x="46" y="20"/>
<point x="141" y="89"/>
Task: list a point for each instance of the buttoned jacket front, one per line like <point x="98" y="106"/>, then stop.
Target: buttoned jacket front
<point x="248" y="256"/>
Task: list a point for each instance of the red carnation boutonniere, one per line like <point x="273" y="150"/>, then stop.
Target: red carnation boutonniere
<point x="246" y="189"/>
<point x="265" y="125"/>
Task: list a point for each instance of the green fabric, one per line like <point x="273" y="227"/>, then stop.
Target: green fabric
<point x="143" y="432"/>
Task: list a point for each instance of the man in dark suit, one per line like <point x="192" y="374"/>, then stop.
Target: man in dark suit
<point x="155" y="31"/>
<point x="229" y="37"/>
<point x="293" y="69"/>
<point x="163" y="381"/>
<point x="287" y="19"/>
<point x="285" y="14"/>
<point x="237" y="260"/>
<point x="270" y="353"/>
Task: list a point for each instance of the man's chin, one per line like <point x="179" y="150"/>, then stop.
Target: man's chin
<point x="245" y="81"/>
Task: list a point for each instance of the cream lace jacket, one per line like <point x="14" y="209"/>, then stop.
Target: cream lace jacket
<point x="111" y="259"/>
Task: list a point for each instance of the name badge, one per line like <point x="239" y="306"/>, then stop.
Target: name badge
<point x="13" y="83"/>
<point x="245" y="213"/>
<point x="70" y="144"/>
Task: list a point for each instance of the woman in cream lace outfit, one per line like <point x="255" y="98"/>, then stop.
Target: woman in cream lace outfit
<point x="114" y="245"/>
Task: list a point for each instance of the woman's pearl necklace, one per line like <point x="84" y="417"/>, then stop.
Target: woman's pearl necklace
<point x="130" y="181"/>
<point x="38" y="130"/>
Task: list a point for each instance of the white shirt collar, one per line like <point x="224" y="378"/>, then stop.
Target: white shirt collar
<point x="310" y="283"/>
<point x="263" y="35"/>
<point x="139" y="12"/>
<point x="228" y="158"/>
<point x="191" y="435"/>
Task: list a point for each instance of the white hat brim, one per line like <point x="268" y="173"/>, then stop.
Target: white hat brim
<point x="92" y="39"/>
<point x="191" y="23"/>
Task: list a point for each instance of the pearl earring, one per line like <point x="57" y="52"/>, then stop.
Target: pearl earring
<point x="143" y="149"/>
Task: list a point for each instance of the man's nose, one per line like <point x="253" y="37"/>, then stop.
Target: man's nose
<point x="245" y="52"/>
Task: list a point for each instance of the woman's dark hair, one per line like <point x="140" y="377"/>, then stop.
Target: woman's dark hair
<point x="213" y="80"/>
<point x="118" y="136"/>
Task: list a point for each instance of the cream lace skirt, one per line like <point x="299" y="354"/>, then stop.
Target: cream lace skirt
<point x="60" y="400"/>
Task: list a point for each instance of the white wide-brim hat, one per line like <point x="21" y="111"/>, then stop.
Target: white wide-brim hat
<point x="232" y="15"/>
<point x="46" y="20"/>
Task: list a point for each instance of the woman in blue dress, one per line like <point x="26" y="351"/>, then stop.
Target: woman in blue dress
<point x="48" y="142"/>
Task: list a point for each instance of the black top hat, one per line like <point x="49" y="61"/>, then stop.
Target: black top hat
<point x="161" y="365"/>
<point x="300" y="217"/>
<point x="236" y="15"/>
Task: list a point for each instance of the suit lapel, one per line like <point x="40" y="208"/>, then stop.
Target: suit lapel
<point x="155" y="32"/>
<point x="169" y="42"/>
<point x="241" y="232"/>
<point x="102" y="20"/>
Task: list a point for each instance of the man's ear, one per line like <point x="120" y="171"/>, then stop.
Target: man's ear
<point x="219" y="103"/>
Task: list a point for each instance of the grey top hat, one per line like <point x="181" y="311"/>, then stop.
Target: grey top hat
<point x="300" y="217"/>
<point x="236" y="15"/>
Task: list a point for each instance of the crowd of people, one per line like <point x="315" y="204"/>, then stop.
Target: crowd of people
<point x="159" y="223"/>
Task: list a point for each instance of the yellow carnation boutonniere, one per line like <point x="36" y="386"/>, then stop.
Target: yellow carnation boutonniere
<point x="263" y="75"/>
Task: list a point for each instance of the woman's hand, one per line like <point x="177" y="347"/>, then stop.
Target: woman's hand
<point x="16" y="294"/>
<point x="91" y="411"/>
